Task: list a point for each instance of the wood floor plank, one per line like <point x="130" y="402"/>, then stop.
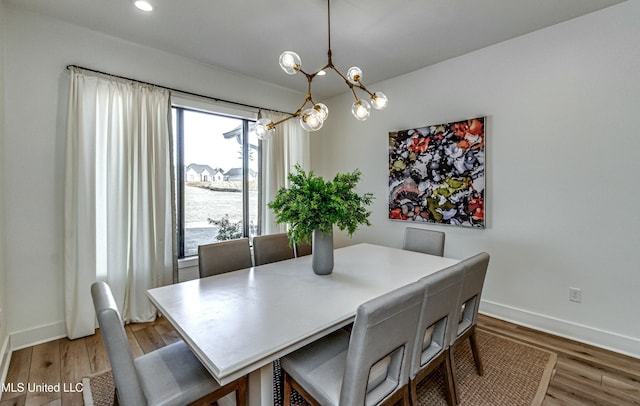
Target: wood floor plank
<point x="149" y="339"/>
<point x="579" y="368"/>
<point x="18" y="401"/>
<point x="98" y="358"/>
<point x="136" y="351"/>
<point x="551" y="401"/>
<point x="137" y="326"/>
<point x="167" y="332"/>
<point x="627" y="390"/>
<point x="18" y="373"/>
<point x="55" y="402"/>
<point x="561" y="396"/>
<point x="44" y="374"/>
<point x="583" y="391"/>
<point x="75" y="365"/>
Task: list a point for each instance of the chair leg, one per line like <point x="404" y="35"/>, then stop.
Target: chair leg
<point x="286" y="396"/>
<point x="406" y="401"/>
<point x="452" y="365"/>
<point x="289" y="384"/>
<point x="400" y="397"/>
<point x="476" y="351"/>
<point x="413" y="392"/>
<point x="241" y="392"/>
<point x="238" y="386"/>
<point x="449" y="382"/>
<point x="443" y="362"/>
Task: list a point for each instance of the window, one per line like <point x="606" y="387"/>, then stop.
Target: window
<point x="217" y="188"/>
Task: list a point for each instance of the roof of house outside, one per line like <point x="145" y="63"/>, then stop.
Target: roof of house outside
<point x="198" y="168"/>
<point x="238" y="172"/>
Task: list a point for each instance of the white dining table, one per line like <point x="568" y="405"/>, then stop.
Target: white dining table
<point x="239" y="322"/>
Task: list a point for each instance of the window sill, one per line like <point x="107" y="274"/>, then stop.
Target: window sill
<point x="188" y="262"/>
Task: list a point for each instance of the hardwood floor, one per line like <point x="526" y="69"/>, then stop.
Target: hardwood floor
<point x="584" y="375"/>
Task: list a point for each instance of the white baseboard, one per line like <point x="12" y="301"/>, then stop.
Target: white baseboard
<point x="604" y="339"/>
<point x="5" y="359"/>
<point x="38" y="335"/>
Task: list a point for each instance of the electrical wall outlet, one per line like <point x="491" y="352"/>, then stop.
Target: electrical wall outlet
<point x="575" y="295"/>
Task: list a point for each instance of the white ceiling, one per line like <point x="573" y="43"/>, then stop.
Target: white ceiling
<point x="385" y="38"/>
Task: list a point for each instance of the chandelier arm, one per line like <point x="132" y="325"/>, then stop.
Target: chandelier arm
<point x="346" y="81"/>
<point x="361" y="87"/>
<point x="355" y="96"/>
<point x="273" y="125"/>
<point x="308" y="98"/>
<point x="341" y="75"/>
<point x="294" y="115"/>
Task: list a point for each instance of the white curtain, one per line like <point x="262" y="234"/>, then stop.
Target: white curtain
<point x="288" y="146"/>
<point x="119" y="214"/>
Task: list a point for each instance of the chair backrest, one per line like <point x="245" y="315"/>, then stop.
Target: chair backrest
<point x="381" y="345"/>
<point x="224" y="256"/>
<point x="271" y="248"/>
<point x="303" y="248"/>
<point x="438" y="317"/>
<point x="423" y="240"/>
<point x="125" y="375"/>
<point x="475" y="270"/>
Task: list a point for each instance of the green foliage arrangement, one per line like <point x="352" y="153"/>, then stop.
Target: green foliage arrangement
<point x="312" y="203"/>
<point x="228" y="230"/>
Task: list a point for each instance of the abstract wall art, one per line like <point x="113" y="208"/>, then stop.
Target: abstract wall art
<point x="437" y="174"/>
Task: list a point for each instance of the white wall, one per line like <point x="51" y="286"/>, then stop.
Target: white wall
<point x="563" y="156"/>
<point x="38" y="49"/>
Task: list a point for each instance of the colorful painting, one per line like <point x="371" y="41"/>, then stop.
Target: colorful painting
<point x="436" y="174"/>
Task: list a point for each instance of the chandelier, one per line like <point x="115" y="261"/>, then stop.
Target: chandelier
<point x="313" y="116"/>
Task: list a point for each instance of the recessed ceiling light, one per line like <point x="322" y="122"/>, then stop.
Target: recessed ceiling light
<point x="143" y="5"/>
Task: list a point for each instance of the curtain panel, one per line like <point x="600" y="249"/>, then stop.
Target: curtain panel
<point x="119" y="205"/>
<point x="288" y="146"/>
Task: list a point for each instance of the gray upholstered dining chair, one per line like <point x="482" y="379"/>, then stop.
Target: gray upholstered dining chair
<point x="475" y="270"/>
<point x="423" y="240"/>
<point x="437" y="321"/>
<point x="303" y="248"/>
<point x="170" y="375"/>
<point x="224" y="256"/>
<point x="271" y="248"/>
<point x="370" y="367"/>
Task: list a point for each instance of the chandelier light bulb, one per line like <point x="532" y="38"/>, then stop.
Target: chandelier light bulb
<point x="354" y="74"/>
<point x="361" y="109"/>
<point x="379" y="101"/>
<point x="310" y="120"/>
<point x="263" y="131"/>
<point x="290" y="62"/>
<point x="143" y="5"/>
<point x="322" y="111"/>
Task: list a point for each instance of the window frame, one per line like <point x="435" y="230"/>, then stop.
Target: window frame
<point x="182" y="106"/>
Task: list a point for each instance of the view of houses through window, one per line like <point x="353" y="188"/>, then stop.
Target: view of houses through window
<point x="217" y="188"/>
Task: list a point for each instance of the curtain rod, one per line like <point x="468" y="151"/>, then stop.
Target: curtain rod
<point x="177" y="90"/>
